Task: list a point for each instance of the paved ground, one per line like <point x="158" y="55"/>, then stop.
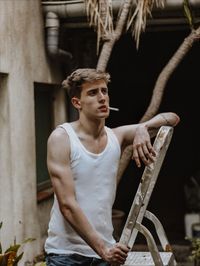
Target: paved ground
<point x="181" y="253"/>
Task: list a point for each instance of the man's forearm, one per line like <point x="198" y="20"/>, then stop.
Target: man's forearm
<point x="162" y="119"/>
<point x="115" y="255"/>
<point x="77" y="219"/>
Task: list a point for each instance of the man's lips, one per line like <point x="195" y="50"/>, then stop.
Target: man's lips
<point x="103" y="108"/>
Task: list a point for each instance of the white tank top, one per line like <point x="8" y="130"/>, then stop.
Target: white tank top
<point x="95" y="186"/>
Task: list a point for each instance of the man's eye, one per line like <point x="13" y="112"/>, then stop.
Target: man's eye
<point x="104" y="91"/>
<point x="92" y="93"/>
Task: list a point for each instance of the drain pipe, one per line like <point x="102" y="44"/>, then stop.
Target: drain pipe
<point x="76" y="8"/>
<point x="52" y="26"/>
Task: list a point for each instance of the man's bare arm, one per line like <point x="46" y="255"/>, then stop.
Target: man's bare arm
<point x="139" y="135"/>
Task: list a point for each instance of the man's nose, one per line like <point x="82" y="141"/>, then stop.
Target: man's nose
<point x="101" y="96"/>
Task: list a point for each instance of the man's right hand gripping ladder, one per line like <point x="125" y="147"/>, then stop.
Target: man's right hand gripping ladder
<point x="138" y="210"/>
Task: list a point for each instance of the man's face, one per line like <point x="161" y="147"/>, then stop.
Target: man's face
<point x="94" y="99"/>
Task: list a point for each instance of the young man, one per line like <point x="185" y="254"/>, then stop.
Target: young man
<point x="83" y="158"/>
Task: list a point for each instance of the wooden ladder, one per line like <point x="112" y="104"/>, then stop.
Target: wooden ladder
<point x="138" y="210"/>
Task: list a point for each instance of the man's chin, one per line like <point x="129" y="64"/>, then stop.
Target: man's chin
<point x="106" y="116"/>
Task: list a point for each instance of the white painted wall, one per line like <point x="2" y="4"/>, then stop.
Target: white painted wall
<point x="23" y="60"/>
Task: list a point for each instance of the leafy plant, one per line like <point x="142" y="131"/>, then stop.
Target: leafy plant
<point x="10" y="256"/>
<point x="195" y="250"/>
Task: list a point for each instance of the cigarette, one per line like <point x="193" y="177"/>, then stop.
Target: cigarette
<point x="113" y="108"/>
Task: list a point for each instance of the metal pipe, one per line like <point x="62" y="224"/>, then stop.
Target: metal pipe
<point x="62" y="2"/>
<point x="65" y="9"/>
<point x="76" y="8"/>
<point x="54" y="10"/>
<point x="52" y="25"/>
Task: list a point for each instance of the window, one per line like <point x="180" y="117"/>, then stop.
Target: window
<point x="4" y="132"/>
<point x="44" y="124"/>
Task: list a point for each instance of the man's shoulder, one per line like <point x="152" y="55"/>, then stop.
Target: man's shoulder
<point x="58" y="134"/>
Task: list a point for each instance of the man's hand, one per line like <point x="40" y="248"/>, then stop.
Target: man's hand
<point x="117" y="254"/>
<point x="142" y="148"/>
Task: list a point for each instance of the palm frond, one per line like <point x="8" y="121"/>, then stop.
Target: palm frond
<point x="99" y="13"/>
<point x="188" y="13"/>
<point x="139" y="17"/>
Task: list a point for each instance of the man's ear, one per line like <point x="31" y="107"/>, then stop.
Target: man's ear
<point x="76" y="103"/>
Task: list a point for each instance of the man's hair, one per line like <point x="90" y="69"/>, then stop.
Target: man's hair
<point x="73" y="83"/>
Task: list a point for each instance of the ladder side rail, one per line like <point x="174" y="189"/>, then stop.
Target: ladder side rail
<point x="161" y="145"/>
<point x="161" y="235"/>
<point x="149" y="176"/>
<point x="159" y="231"/>
<point x="151" y="244"/>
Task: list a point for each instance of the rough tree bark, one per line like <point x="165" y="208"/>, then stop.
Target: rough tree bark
<point x="108" y="45"/>
<point x="159" y="90"/>
<point x="162" y="79"/>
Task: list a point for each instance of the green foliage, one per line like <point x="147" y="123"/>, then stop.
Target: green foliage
<point x="10" y="256"/>
<point x="195" y="250"/>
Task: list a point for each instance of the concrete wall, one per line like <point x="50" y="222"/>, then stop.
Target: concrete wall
<point x="23" y="61"/>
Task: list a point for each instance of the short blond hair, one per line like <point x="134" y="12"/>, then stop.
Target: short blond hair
<point x="73" y="83"/>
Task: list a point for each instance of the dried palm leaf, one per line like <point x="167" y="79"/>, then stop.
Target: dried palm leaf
<point x="99" y="13"/>
<point x="139" y="18"/>
<point x="188" y="13"/>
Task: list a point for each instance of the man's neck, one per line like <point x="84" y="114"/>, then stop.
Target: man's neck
<point x="93" y="128"/>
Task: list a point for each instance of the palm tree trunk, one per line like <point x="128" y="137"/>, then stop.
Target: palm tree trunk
<point x="108" y="45"/>
<point x="159" y="90"/>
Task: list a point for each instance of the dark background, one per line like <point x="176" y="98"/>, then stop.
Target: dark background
<point x="134" y="73"/>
